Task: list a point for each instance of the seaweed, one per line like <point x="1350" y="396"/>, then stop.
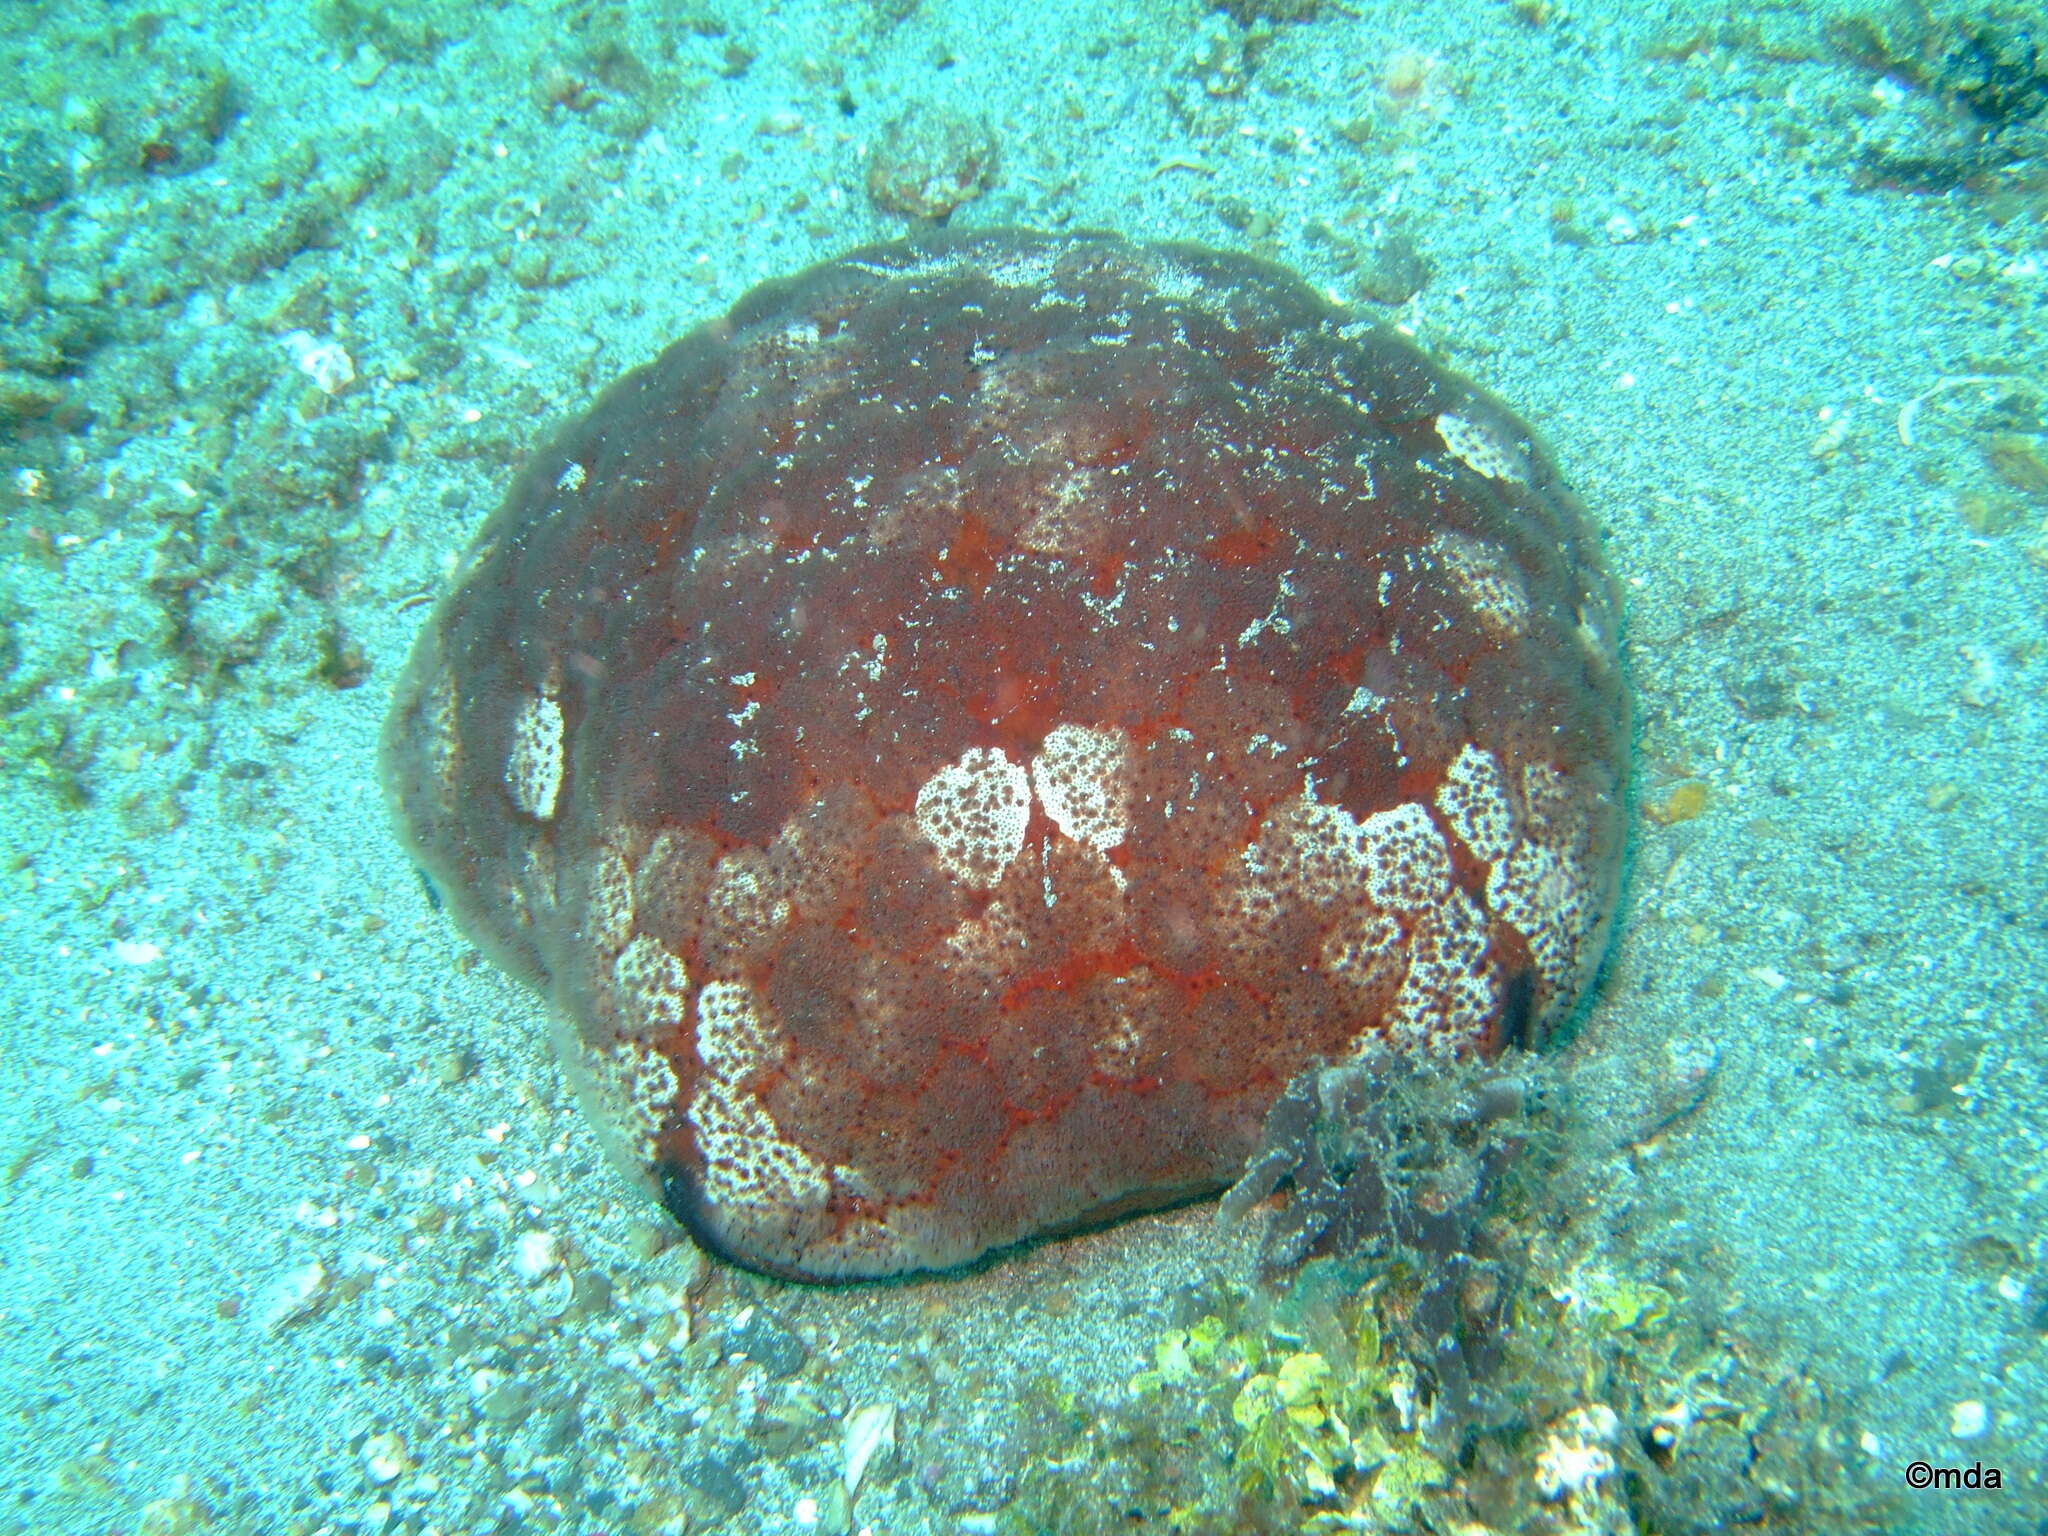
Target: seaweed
<point x="1445" y="1337"/>
<point x="1401" y="1162"/>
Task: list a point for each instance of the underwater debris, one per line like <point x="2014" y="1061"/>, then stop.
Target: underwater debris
<point x="929" y="160"/>
<point x="1980" y="86"/>
<point x="1386" y="1158"/>
<point x="1318" y="1400"/>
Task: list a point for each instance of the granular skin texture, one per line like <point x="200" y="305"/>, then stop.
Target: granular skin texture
<point x="954" y="737"/>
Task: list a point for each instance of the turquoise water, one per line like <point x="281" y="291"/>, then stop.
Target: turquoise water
<point x="300" y="1227"/>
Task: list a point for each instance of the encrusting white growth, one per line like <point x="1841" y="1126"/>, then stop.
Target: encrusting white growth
<point x="533" y="768"/>
<point x="974" y="813"/>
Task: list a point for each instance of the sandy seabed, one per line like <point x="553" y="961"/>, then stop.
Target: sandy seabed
<point x="299" y="1227"/>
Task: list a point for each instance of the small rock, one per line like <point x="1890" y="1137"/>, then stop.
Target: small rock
<point x="384" y="1458"/>
<point x="646" y="1239"/>
<point x="535" y="1254"/>
<point x="559" y="1430"/>
<point x="33" y="171"/>
<point x="715" y="1478"/>
<point x="178" y="1513"/>
<point x="761" y="1336"/>
<point x="929" y="160"/>
<point x="294" y="1296"/>
<point x="500" y="1398"/>
<point x="323" y="360"/>
<point x="1394" y="273"/>
<point x="25" y="397"/>
<point x="870" y="1437"/>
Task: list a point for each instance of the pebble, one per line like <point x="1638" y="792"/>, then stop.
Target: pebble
<point x="761" y="1336"/>
<point x="294" y="1296"/>
<point x="384" y="1457"/>
<point x="535" y="1254"/>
